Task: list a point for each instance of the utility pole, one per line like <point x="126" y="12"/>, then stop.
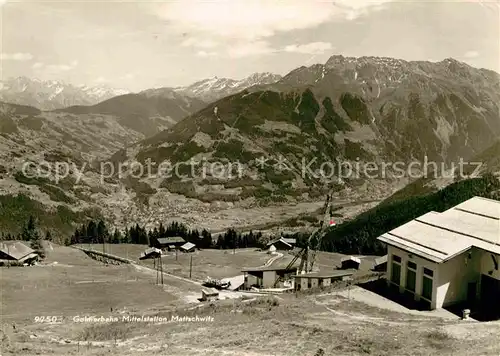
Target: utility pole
<point x="190" y="266"/>
<point x="161" y="269"/>
<point x="157" y="274"/>
<point x="125" y="233"/>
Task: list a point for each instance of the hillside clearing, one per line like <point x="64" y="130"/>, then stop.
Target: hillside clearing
<point x="219" y="263"/>
<point x="292" y="324"/>
<point x="70" y="283"/>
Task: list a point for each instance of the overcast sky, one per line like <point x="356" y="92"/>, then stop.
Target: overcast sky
<point x="143" y="44"/>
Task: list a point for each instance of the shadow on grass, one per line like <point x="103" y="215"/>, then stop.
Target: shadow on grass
<point x="478" y="311"/>
<point x="392" y="293"/>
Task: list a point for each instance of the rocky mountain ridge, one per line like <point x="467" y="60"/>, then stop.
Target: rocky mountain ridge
<point x="212" y="89"/>
<point x="52" y="94"/>
<point x="147" y="112"/>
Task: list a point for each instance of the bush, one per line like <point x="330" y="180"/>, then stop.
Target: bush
<point x="11" y="263"/>
<point x="264" y="301"/>
<point x="105" y="332"/>
<point x="21" y="178"/>
<point x="234" y="152"/>
<point x="439" y="339"/>
<point x="356" y="108"/>
<point x="56" y="194"/>
<point x="242" y="182"/>
<point x="178" y="187"/>
<point x="186" y="151"/>
<point x="438" y="335"/>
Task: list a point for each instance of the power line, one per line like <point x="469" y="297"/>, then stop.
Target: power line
<point x="190" y="266"/>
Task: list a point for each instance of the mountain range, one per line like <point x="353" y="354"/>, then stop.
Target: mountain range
<point x="368" y="109"/>
<point x="350" y="110"/>
<point x="52" y="94"/>
<point x="147" y="112"/>
<point x="215" y="88"/>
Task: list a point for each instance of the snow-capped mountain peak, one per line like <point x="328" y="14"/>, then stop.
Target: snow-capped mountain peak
<point x="53" y="94"/>
<point x="214" y="88"/>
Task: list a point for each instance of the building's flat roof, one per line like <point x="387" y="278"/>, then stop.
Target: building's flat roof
<point x="441" y="236"/>
<point x="380" y="260"/>
<point x="465" y="223"/>
<point x="282" y="240"/>
<point x="279" y="265"/>
<point x="210" y="291"/>
<point x="28" y="257"/>
<point x="481" y="206"/>
<point x="327" y="274"/>
<point x="171" y="240"/>
<point x="267" y="268"/>
<point x="188" y="246"/>
<point x="350" y="258"/>
<point x="149" y="253"/>
<point x="236" y="281"/>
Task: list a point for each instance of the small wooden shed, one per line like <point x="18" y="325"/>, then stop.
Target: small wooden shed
<point x="350" y="262"/>
<point x="208" y="294"/>
<point x="188" y="247"/>
<point x="380" y="264"/>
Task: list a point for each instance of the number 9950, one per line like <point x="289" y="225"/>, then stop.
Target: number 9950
<point x="48" y="319"/>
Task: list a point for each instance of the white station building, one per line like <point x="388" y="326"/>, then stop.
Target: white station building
<point x="450" y="257"/>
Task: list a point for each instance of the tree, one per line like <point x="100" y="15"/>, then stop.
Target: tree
<point x="29" y="229"/>
<point x="117" y="237"/>
<point x="153" y="237"/>
<point x="220" y="242"/>
<point x="102" y="231"/>
<point x="7" y="236"/>
<point x="126" y="237"/>
<point x="134" y="234"/>
<point x="161" y="231"/>
<point x="142" y="236"/>
<point x="92" y="233"/>
<point x="30" y="233"/>
<point x="206" y="239"/>
<point x="83" y="236"/>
